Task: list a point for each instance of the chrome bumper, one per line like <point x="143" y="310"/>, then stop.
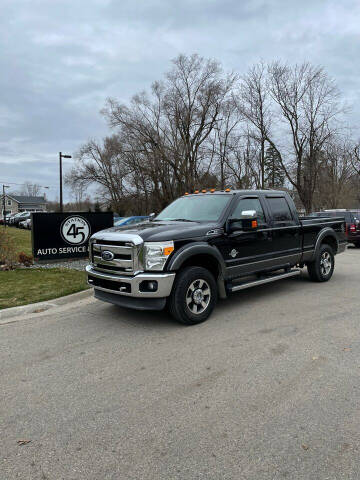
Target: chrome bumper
<point x="164" y="282"/>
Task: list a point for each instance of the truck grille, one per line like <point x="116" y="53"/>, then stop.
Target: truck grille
<point x="124" y="261"/>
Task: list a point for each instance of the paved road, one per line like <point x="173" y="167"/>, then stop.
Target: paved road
<point x="268" y="388"/>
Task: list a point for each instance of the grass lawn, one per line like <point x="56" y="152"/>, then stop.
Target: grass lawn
<point x="22" y="238"/>
<point x="24" y="286"/>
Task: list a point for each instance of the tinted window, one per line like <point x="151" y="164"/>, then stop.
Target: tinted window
<point x="279" y="208"/>
<point x="195" y="208"/>
<point x="246" y="204"/>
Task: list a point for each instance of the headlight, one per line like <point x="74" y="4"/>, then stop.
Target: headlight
<point x="156" y="254"/>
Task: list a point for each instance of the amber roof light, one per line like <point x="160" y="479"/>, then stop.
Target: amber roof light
<point x="203" y="191"/>
<point x="196" y="191"/>
<point x="212" y="190"/>
<point x="227" y="189"/>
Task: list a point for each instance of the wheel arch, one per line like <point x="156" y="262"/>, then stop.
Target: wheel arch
<point x="201" y="255"/>
<point x="328" y="236"/>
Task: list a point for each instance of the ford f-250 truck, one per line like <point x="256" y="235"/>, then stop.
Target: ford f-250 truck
<point x="206" y="245"/>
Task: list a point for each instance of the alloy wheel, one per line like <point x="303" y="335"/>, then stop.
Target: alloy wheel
<point x="198" y="296"/>
<point x="325" y="263"/>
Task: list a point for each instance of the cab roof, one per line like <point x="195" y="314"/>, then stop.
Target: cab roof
<point x="235" y="192"/>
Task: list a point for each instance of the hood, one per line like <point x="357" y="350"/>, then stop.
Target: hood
<point x="156" y="231"/>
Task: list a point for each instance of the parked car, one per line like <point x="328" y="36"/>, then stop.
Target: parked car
<point x="25" y="224"/>
<point x="352" y="220"/>
<point x="9" y="217"/>
<point x="13" y="218"/>
<point x="208" y="245"/>
<point x="23" y="216"/>
<point x="129" y="220"/>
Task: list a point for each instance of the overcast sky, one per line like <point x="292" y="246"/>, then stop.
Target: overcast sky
<point x="60" y="59"/>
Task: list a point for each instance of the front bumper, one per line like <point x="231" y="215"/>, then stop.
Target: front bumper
<point x="126" y="286"/>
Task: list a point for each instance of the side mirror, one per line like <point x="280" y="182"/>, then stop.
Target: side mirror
<point x="152" y="216"/>
<point x="247" y="222"/>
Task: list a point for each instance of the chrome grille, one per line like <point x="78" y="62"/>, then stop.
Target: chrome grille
<point x="125" y="261"/>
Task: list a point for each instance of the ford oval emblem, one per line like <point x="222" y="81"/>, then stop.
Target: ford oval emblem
<point x="107" y="256"/>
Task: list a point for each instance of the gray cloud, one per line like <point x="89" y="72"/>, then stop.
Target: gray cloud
<point x="61" y="59"/>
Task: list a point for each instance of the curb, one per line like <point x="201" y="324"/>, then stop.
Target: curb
<point x="44" y="306"/>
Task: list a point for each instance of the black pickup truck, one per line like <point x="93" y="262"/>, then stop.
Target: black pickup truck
<point x="207" y="245"/>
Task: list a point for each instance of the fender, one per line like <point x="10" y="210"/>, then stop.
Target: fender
<point x="325" y="232"/>
<point x="192" y="249"/>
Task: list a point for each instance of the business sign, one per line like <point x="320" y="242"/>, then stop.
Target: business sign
<point x="58" y="236"/>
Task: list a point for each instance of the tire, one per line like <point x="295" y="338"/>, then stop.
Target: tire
<point x="194" y="295"/>
<point x="357" y="245"/>
<point x="322" y="268"/>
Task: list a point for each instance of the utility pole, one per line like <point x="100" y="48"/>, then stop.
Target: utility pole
<point x="61" y="156"/>
<point x="4" y="206"/>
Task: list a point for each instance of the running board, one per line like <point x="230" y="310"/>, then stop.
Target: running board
<point x="272" y="278"/>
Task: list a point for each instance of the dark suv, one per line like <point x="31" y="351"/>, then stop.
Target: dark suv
<point x="352" y="220"/>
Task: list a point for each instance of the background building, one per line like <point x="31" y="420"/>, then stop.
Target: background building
<point x="22" y="203"/>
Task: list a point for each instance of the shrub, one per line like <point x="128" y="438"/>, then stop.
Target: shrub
<point x="25" y="259"/>
<point x="8" y="255"/>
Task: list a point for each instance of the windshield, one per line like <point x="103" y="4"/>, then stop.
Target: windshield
<point x="204" y="208"/>
<point x="121" y="221"/>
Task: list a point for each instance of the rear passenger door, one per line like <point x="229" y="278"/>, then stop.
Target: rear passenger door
<point x="286" y="231"/>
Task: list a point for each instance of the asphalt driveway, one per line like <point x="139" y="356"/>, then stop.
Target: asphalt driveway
<point x="267" y="388"/>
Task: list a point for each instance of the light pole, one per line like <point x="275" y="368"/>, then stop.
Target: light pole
<point x="61" y="156"/>
<point x="4" y="211"/>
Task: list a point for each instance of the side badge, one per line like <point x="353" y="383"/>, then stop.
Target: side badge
<point x="233" y="253"/>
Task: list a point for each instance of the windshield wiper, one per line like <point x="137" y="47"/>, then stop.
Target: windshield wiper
<point x="182" y="220"/>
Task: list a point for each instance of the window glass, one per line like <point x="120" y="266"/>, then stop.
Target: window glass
<point x="279" y="209"/>
<point x="194" y="208"/>
<point x="246" y="204"/>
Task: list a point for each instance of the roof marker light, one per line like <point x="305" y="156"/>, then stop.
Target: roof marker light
<point x="196" y="191"/>
<point x="203" y="191"/>
<point x="227" y="189"/>
<point x="186" y="193"/>
<point x="212" y="190"/>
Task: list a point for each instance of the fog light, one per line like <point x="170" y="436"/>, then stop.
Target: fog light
<point x="152" y="286"/>
<point x="148" y="286"/>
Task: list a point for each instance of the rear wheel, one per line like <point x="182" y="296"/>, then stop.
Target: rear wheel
<point x="194" y="295"/>
<point x="322" y="268"/>
<point x="357" y="244"/>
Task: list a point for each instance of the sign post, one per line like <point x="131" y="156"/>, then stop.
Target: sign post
<point x="60" y="236"/>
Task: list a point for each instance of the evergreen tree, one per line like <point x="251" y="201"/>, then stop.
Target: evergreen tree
<point x="274" y="172"/>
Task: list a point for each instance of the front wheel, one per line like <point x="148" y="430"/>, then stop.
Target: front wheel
<point x="322" y="268"/>
<point x="194" y="295"/>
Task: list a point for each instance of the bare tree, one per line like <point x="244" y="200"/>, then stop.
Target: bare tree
<point x="254" y="104"/>
<point x="102" y="165"/>
<point x="30" y="189"/>
<point x="355" y="157"/>
<point x="224" y="143"/>
<point x="171" y="130"/>
<point x="307" y="101"/>
<point x="335" y="177"/>
<point x="200" y="127"/>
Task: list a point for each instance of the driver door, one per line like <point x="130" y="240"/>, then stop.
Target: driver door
<point x="247" y="252"/>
